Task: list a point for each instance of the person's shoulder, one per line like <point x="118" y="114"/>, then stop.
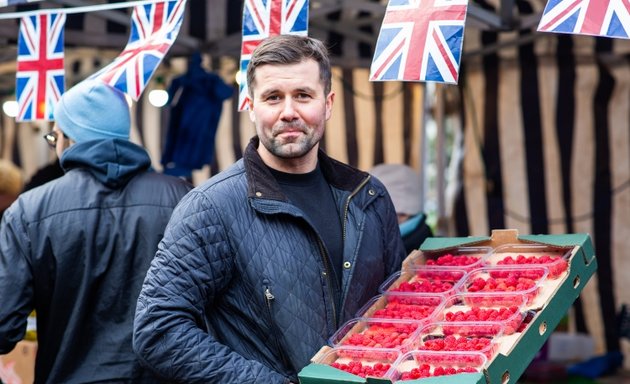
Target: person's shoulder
<point x="158" y="177"/>
<point x="226" y="179"/>
<point x="42" y="200"/>
<point x="227" y="188"/>
<point x="45" y="174"/>
<point x="156" y="183"/>
<point x="376" y="183"/>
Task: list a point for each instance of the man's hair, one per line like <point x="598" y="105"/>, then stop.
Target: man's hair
<point x="290" y="49"/>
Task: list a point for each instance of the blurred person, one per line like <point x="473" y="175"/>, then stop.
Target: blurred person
<point x="76" y="249"/>
<point x="48" y="172"/>
<point x="404" y="186"/>
<point x="262" y="263"/>
<point x="11" y="184"/>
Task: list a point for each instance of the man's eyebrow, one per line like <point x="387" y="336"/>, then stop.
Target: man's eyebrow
<point x="272" y="91"/>
<point x="268" y="92"/>
<point x="305" y="89"/>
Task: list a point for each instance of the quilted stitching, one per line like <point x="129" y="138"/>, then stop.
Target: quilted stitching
<point x="222" y="245"/>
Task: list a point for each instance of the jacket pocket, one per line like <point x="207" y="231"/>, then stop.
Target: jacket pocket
<point x="275" y="331"/>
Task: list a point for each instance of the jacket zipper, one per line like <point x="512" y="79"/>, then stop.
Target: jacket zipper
<point x="269" y="297"/>
<point x="347" y="207"/>
<point x="328" y="271"/>
<point x="343" y="237"/>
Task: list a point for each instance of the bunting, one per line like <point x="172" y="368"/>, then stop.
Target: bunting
<point x="607" y="18"/>
<point x="420" y="40"/>
<point x="40" y="66"/>
<point x="265" y="18"/>
<point x="154" y="29"/>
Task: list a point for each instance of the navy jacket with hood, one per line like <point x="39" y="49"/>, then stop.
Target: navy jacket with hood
<point x="240" y="289"/>
<point x="76" y="249"/>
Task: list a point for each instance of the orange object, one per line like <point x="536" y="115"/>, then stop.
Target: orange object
<point x="18" y="366"/>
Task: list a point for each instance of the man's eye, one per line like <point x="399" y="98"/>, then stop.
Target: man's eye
<point x="272" y="98"/>
<point x="303" y="96"/>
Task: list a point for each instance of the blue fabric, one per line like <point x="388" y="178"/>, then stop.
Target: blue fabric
<point x="196" y="104"/>
<point x="597" y="366"/>
<point x="112" y="162"/>
<point x="76" y="250"/>
<point x="414" y="232"/>
<point x="408" y="226"/>
<point x="93" y="110"/>
<point x="240" y="259"/>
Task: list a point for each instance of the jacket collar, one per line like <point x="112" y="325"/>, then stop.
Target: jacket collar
<point x="261" y="183"/>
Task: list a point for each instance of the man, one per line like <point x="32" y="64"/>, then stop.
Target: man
<point x="404" y="186"/>
<point x="261" y="264"/>
<point x="77" y="248"/>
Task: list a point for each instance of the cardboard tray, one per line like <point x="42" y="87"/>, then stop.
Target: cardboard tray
<point x="516" y="352"/>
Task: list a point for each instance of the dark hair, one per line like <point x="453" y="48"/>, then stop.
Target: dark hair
<point x="290" y="49"/>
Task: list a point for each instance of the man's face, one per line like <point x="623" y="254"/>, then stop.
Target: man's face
<point x="290" y="110"/>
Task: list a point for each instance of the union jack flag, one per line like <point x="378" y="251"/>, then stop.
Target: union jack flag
<point x="264" y="18"/>
<point x="154" y="28"/>
<point x="609" y="18"/>
<point x="420" y="40"/>
<point x="40" y="70"/>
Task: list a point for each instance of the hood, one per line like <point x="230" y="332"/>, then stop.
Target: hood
<point x="112" y="161"/>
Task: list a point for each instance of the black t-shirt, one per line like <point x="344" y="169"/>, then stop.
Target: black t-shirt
<point x="311" y="193"/>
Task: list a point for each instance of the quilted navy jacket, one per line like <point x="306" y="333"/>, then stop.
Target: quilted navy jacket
<point x="77" y="249"/>
<point x="239" y="291"/>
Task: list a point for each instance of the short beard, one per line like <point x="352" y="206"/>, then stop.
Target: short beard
<point x="290" y="150"/>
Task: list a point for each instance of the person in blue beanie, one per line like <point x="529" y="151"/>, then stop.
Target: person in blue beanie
<point x="77" y="248"/>
<point x="404" y="186"/>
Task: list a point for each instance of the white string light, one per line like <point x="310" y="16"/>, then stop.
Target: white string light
<point x="158" y="97"/>
<point x="10" y="108"/>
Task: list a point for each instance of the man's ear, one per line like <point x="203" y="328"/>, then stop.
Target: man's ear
<point x="250" y="104"/>
<point x="330" y="99"/>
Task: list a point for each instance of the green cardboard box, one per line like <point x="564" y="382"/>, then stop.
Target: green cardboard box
<point x="516" y="351"/>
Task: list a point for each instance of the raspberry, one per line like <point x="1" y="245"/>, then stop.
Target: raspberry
<point x="397" y="310"/>
<point x="382" y="335"/>
<point x="363" y="370"/>
<point x="453" y="261"/>
<point x="425" y="286"/>
<point x="459" y="343"/>
<point x="426" y="370"/>
<point x="555" y="264"/>
<point x="510" y="316"/>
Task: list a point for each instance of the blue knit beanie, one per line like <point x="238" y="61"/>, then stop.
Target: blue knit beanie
<point x="93" y="110"/>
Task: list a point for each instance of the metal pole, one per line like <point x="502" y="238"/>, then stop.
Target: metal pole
<point x="422" y="158"/>
<point x="440" y="160"/>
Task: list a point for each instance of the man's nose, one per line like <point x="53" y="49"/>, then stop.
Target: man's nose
<point x="288" y="113"/>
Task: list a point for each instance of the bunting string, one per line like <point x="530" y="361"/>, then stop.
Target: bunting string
<point x="79" y="9"/>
